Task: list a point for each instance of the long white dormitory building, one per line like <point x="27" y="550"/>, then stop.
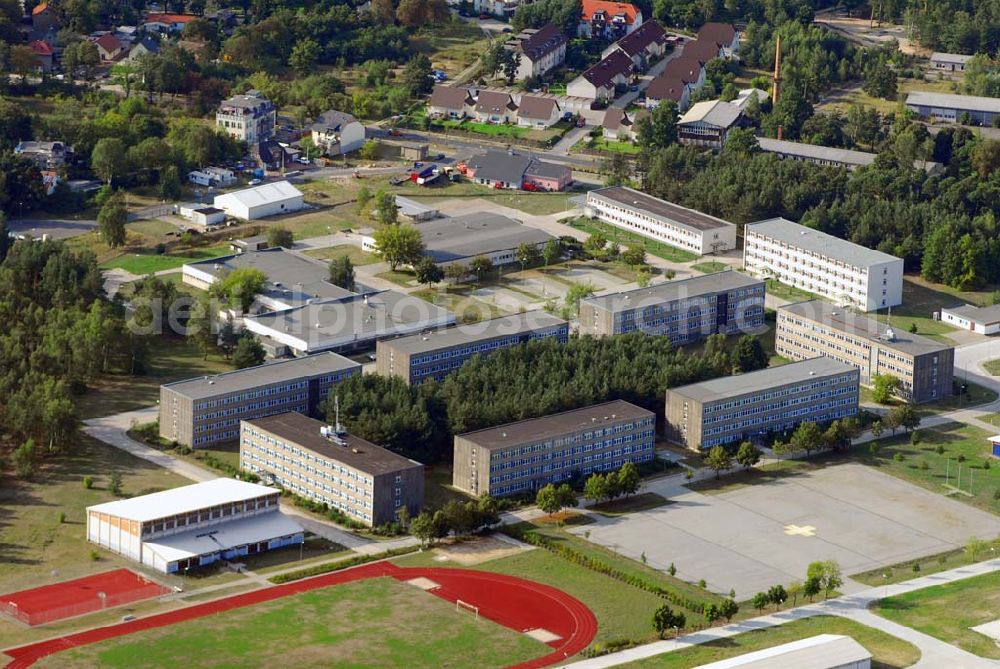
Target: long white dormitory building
<point x="839" y="270"/>
<point x="194" y="525"/>
<point x="661" y="221"/>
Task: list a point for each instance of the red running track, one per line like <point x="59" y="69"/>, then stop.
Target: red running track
<point x="514" y="602"/>
<point x="79" y="596"/>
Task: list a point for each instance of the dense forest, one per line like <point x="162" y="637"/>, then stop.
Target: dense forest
<point x="535" y="379"/>
<point x="59" y="333"/>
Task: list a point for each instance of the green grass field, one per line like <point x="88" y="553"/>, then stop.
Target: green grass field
<point x="920" y="300"/>
<point x="375" y="623"/>
<point x="625" y="238"/>
<point x="887" y="651"/>
<point x="710" y="267"/>
<point x="145" y="263"/>
<point x="357" y="256"/>
<point x="175" y="358"/>
<point x="992" y="366"/>
<point x="788" y="293"/>
<point x="897" y="573"/>
<point x="633" y="504"/>
<point x="948" y="611"/>
<point x="607" y="145"/>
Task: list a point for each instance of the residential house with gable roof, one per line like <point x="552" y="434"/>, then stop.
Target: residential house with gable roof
<point x="540" y="50"/>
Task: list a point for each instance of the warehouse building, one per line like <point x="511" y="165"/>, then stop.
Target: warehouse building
<point x="949" y="62"/>
<point x="525" y="456"/>
<point x="924" y="367"/>
<point x="823" y="651"/>
<point x="325" y="464"/>
<point x="261" y="201"/>
<point x="954" y="108"/>
<point x="981" y="320"/>
<point x="348" y="323"/>
<point x="292" y="278"/>
<point x="684" y="310"/>
<point x="747" y="407"/>
<point x="829" y="156"/>
<point x="459" y="239"/>
<point x="661" y="221"/>
<point x="208" y="409"/>
<point x="813" y="261"/>
<point x="434" y="355"/>
<point x="192" y="526"/>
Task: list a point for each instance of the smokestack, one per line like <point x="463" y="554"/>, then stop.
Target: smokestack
<point x="776" y="88"/>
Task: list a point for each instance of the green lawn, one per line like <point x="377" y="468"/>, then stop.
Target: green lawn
<point x="145" y="263"/>
<point x="789" y="293"/>
<point x="461" y="301"/>
<point x="357" y="256"/>
<point x="175" y="358"/>
<point x="887" y="651"/>
<point x="633" y="504"/>
<point x="992" y="366"/>
<point x="710" y="267"/>
<point x="437" y="487"/>
<point x="625" y="238"/>
<point x="974" y="396"/>
<point x="375" y="623"/>
<point x="920" y="300"/>
<point x="904" y="571"/>
<point x="600" y="143"/>
<point x="948" y="611"/>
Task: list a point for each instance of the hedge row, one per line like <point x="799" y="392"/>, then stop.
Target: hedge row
<point x="327" y="567"/>
<point x="602" y="567"/>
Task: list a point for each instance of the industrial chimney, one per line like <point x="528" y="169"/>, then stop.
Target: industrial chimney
<point x="776" y="88"/>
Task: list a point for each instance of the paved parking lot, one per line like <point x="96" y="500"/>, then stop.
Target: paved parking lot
<point x="753" y="537"/>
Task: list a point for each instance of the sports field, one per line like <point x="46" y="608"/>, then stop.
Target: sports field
<point x="376" y="623"/>
<point x="351" y="618"/>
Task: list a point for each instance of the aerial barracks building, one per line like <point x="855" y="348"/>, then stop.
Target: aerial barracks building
<point x="685" y="310"/>
<point x="924" y="367"/>
<point x="208" y="409"/>
<point x="660" y="220"/>
<point x="731" y="409"/>
<point x="525" y="456"/>
<point x="367" y="482"/>
<point x="434" y="355"/>
<point x="823" y="264"/>
<point x="194" y="525"/>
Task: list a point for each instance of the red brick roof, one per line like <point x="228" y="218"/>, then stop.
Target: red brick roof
<point x="108" y="42"/>
<point x="169" y="18"/>
<point x="39" y="8"/>
<point x="590" y="7"/>
<point x="41" y="47"/>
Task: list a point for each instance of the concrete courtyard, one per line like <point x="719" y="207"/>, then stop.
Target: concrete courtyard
<point x="756" y="536"/>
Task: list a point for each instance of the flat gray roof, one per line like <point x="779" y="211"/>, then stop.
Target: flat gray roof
<point x="861" y="325"/>
<point x="661" y="209"/>
<point x="772" y="377"/>
<point x="982" y="315"/>
<point x="287" y="272"/>
<point x="336" y="322"/>
<point x="354" y="452"/>
<point x="944" y="57"/>
<point x="832" y="154"/>
<point x="674" y="290"/>
<point x="950" y="101"/>
<point x="808" y="239"/>
<point x="537" y="429"/>
<point x="482" y="233"/>
<point x="473" y="332"/>
<point x="262" y="375"/>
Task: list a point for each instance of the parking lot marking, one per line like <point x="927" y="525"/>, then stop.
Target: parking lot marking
<point x="800" y="530"/>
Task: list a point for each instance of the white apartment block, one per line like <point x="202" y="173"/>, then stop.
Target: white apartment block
<point x="841" y="271"/>
<point x="659" y="220"/>
<point x="249" y="117"/>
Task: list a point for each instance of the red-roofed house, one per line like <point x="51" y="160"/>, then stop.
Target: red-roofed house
<point x="724" y="34"/>
<point x="167" y="23"/>
<point x="43" y="52"/>
<point x="109" y="47"/>
<point x="611" y="20"/>
<point x="43" y="17"/>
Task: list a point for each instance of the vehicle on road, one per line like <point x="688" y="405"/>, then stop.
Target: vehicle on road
<point x="255" y="182"/>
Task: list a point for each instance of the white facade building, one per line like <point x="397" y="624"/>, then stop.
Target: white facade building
<point x="249" y="117"/>
<point x="659" y="220"/>
<point x="270" y="199"/>
<point x="194" y="525"/>
<point x="981" y="320"/>
<point x="839" y="270"/>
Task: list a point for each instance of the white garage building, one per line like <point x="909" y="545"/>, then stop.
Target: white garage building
<point x="981" y="320"/>
<point x="261" y="201"/>
<point x="194" y="525"/>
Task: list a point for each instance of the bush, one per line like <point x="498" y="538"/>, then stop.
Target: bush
<point x="88" y="482"/>
<point x="915" y="438"/>
<point x="62" y="518"/>
<point x="94" y="555"/>
<point x="961" y="457"/>
<point x="343" y="564"/>
<point x="161" y="248"/>
<point x="939" y="450"/>
<point x="115" y="484"/>
<point x="924" y="466"/>
<point x="899" y="457"/>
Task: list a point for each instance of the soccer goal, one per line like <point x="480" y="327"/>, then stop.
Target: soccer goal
<point x="459" y="605"/>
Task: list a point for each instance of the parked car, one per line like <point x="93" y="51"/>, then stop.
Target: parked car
<point x="484" y="16"/>
<point x="506" y="30"/>
<point x="255" y="182"/>
<point x="634" y="88"/>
